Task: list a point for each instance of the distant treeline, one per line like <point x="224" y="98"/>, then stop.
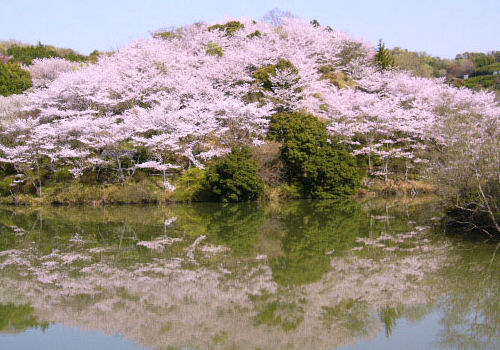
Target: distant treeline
<point x="25" y="54"/>
<point x="16" y="56"/>
<point x="474" y="70"/>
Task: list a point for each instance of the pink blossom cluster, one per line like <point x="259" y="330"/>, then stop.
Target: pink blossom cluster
<point x="45" y="70"/>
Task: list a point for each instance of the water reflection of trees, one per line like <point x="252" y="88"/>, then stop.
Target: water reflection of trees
<point x="290" y="270"/>
<point x="314" y="231"/>
<point x="471" y="306"/>
<point x="19" y="318"/>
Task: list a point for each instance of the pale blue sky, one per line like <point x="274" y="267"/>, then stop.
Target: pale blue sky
<point x="439" y="27"/>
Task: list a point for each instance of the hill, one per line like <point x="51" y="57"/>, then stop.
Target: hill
<point x="188" y="95"/>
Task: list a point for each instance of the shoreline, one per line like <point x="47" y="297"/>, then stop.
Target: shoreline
<point x="150" y="193"/>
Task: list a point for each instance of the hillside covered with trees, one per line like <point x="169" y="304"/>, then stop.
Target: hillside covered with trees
<point x="475" y="70"/>
<point x="244" y="110"/>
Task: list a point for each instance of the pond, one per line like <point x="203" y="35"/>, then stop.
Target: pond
<point x="300" y="275"/>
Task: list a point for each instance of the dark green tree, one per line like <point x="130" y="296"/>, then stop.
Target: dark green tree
<point x="331" y="172"/>
<point x="301" y="135"/>
<point x="235" y="178"/>
<point x="321" y="169"/>
<point x="383" y="58"/>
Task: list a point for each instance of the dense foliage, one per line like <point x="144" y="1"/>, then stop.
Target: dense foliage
<point x="234" y="178"/>
<point x="322" y="169"/>
<point x="330" y="172"/>
<point x="301" y="134"/>
<point x="13" y="79"/>
<point x="25" y="54"/>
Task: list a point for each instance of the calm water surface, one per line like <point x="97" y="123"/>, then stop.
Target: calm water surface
<point x="301" y="275"/>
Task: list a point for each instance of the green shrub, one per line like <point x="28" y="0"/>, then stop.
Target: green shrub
<point x="5" y="185"/>
<point x="489" y="69"/>
<point x="94" y="56"/>
<point x="331" y="172"/>
<point x="234" y="178"/>
<point x="229" y="28"/>
<point x="263" y="74"/>
<point x="13" y="79"/>
<point x="337" y="78"/>
<point x="321" y="169"/>
<point x="301" y="134"/>
<point x="483" y="81"/>
<point x="63" y="174"/>
<point x="192" y="186"/>
<point x="214" y="49"/>
<point x="256" y="34"/>
<point x="166" y="35"/>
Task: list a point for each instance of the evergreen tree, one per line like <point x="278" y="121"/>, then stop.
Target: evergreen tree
<point x="235" y="178"/>
<point x="323" y="169"/>
<point x="383" y="58"/>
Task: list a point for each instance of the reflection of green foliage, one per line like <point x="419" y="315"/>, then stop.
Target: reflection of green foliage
<point x="18" y="318"/>
<point x="300" y="267"/>
<point x="349" y="313"/>
<point x="313" y="230"/>
<point x="288" y="316"/>
<point x="304" y="232"/>
<point x="237" y="227"/>
<point x="220" y="338"/>
<point x="114" y="226"/>
<point x="471" y="285"/>
<point x="389" y="317"/>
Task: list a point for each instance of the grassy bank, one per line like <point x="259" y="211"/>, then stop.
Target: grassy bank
<point x="150" y="191"/>
<point x="74" y="193"/>
<point x="378" y="187"/>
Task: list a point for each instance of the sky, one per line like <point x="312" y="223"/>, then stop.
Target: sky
<point x="439" y="27"/>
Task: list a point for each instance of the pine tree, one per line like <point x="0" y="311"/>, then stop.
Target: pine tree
<point x="383" y="58"/>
